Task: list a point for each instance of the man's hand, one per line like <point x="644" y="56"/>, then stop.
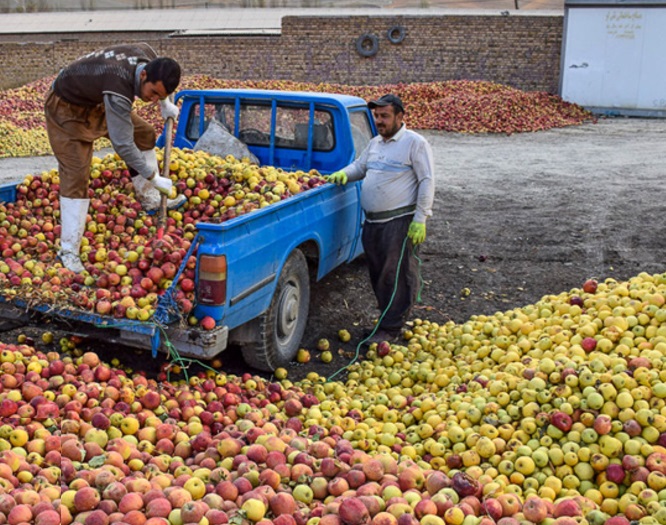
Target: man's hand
<point x="339" y="177"/>
<point x="162" y="184"/>
<point x="417" y="232"/>
<point x="169" y="109"/>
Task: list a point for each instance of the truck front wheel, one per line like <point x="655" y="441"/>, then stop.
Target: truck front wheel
<point x="282" y="326"/>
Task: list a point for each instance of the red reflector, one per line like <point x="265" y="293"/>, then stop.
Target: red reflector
<point x="212" y="287"/>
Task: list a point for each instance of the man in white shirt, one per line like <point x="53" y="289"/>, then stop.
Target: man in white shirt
<point x="397" y="196"/>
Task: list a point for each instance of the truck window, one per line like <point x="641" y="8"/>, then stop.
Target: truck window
<point x="361" y="131"/>
<point x="224" y="113"/>
<point x="293" y="127"/>
<point x="254" y="128"/>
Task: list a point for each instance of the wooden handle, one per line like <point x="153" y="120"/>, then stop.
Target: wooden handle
<point x="166" y="160"/>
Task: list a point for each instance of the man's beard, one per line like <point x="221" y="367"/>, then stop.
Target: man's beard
<point x="388" y="132"/>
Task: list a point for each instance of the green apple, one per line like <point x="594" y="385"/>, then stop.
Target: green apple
<point x="485" y="447"/>
<point x="595" y="401"/>
<point x="589" y="436"/>
<point x="540" y="457"/>
<point x="556" y="456"/>
<point x="584" y="471"/>
<point x="610" y="446"/>
<point x="506" y="467"/>
<point x="303" y="494"/>
<point x="554" y="432"/>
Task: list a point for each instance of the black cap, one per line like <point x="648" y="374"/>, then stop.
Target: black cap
<point x="387" y="100"/>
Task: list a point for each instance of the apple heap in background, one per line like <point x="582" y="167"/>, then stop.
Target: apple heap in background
<point x="461" y="106"/>
<point x="128" y="269"/>
<point x="553" y="413"/>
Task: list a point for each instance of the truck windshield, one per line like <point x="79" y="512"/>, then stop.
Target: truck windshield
<point x="254" y="129"/>
<point x="361" y="131"/>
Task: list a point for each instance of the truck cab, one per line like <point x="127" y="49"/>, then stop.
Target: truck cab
<point x="288" y="130"/>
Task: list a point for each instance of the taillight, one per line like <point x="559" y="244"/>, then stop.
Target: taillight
<point x="212" y="288"/>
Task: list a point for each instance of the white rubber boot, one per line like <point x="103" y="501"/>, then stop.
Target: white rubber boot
<point x="146" y="193"/>
<point x="73" y="213"/>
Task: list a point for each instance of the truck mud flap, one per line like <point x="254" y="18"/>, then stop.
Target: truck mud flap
<point x="12" y="317"/>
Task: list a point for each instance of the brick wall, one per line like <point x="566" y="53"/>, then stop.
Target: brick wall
<point x="520" y="51"/>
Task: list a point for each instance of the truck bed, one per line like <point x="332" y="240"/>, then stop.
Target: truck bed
<point x="322" y="220"/>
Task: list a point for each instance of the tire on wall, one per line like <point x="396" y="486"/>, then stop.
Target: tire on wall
<point x="396" y="34"/>
<point x="282" y="326"/>
<point x="367" y="45"/>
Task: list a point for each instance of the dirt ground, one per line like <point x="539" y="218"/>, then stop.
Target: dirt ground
<point x="515" y="218"/>
<point x="522" y="216"/>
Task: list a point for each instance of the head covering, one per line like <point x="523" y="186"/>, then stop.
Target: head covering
<point x="387" y="100"/>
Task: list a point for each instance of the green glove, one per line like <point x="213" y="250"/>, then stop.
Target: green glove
<point x="417" y="232"/>
<point x="339" y="177"/>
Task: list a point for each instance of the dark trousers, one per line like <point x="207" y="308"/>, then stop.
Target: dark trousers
<point x="383" y="242"/>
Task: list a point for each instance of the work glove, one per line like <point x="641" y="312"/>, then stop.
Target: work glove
<point x="162" y="184"/>
<point x="339" y="177"/>
<point x="417" y="232"/>
<point x="169" y="109"/>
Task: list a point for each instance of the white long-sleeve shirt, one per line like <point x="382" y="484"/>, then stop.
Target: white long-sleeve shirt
<point x="397" y="173"/>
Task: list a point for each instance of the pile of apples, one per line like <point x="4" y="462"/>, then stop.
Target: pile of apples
<point x="553" y="413"/>
<point x="127" y="268"/>
<point x="465" y="106"/>
<point x="22" y="127"/>
<point x="459" y="105"/>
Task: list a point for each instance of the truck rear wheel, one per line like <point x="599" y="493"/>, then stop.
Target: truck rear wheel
<point x="282" y="326"/>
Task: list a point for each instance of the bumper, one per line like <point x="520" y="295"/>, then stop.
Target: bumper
<point x="189" y="342"/>
<point x="194" y="343"/>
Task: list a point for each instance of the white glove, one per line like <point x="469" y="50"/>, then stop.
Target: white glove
<point x="162" y="184"/>
<point x="169" y="109"/>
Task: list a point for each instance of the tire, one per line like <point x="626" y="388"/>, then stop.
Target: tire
<point x="282" y="326"/>
<point x="396" y="34"/>
<point x="367" y="45"/>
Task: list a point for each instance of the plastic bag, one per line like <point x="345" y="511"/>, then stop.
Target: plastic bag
<point x="216" y="140"/>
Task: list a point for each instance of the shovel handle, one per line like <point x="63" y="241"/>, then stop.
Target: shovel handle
<point x="166" y="160"/>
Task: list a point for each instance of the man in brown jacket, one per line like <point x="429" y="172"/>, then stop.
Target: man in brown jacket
<point x="93" y="98"/>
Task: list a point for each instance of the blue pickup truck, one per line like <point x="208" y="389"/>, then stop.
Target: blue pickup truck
<point x="254" y="271"/>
